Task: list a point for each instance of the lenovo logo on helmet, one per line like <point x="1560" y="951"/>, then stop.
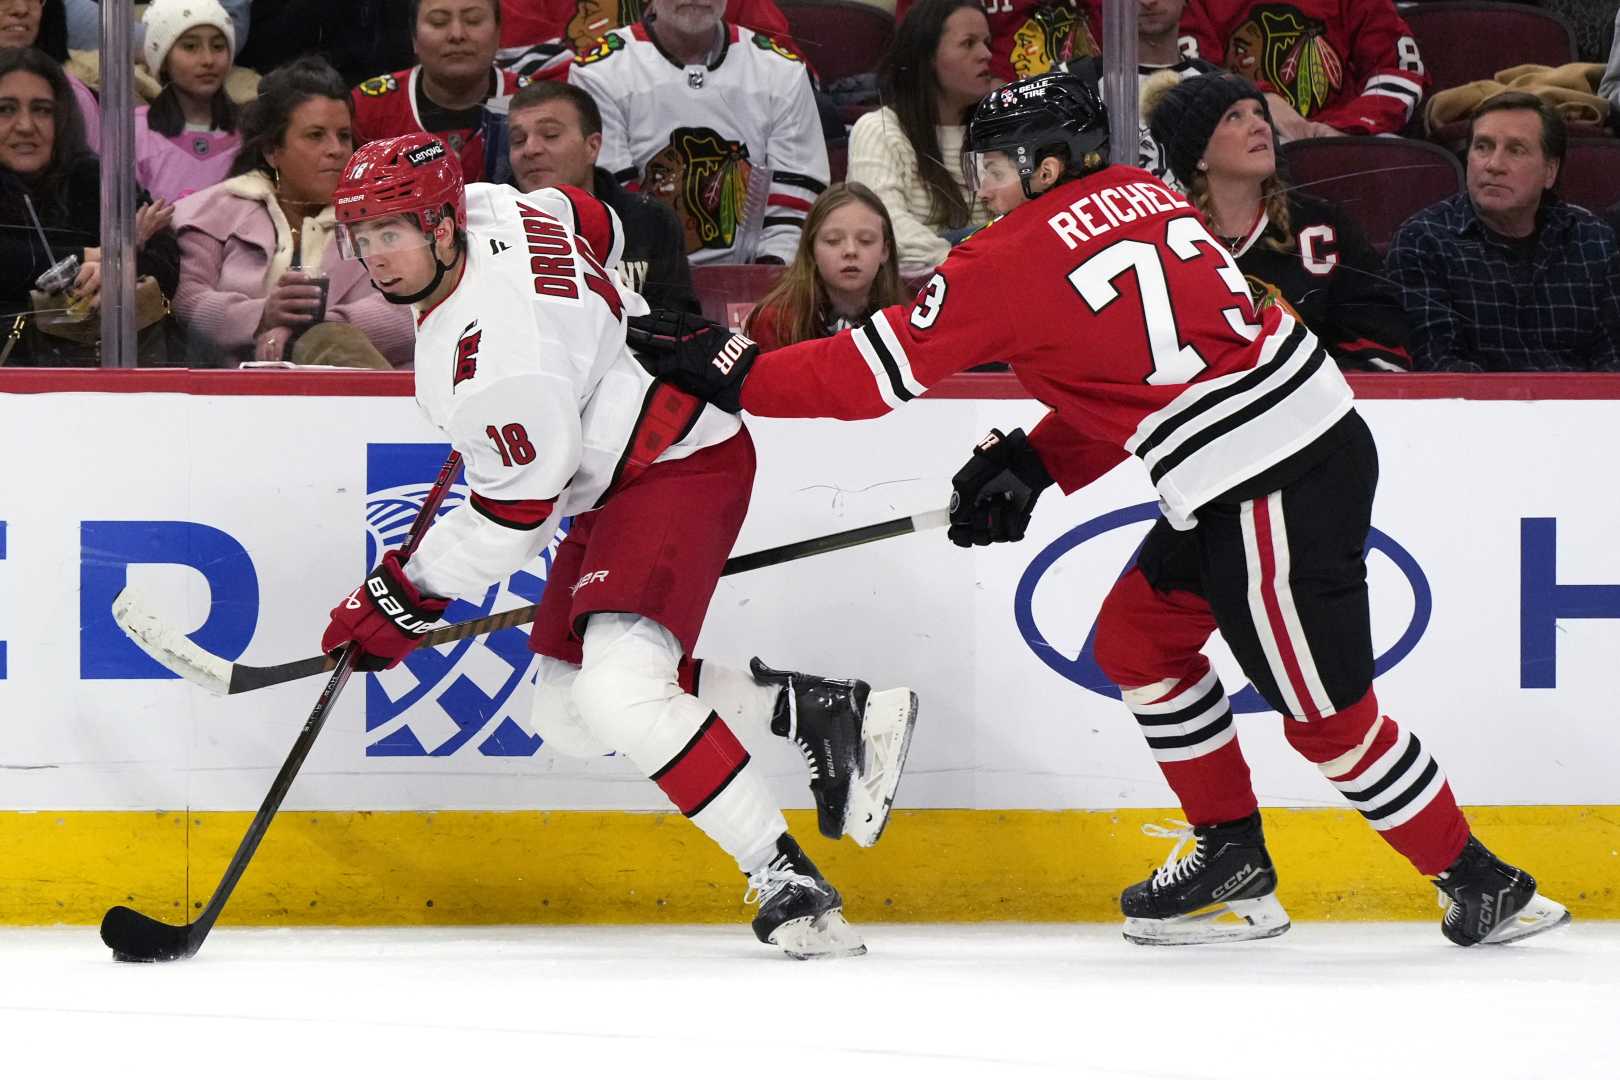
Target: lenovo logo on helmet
<point x="424" y="154"/>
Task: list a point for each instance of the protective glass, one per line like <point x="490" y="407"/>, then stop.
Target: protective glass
<point x="988" y="171"/>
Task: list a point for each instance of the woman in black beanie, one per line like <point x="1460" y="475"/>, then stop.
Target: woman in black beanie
<point x="1220" y="144"/>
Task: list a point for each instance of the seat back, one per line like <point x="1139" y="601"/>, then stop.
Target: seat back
<point x="1590" y="175"/>
<point x="840" y="37"/>
<point x="1464" y="40"/>
<point x="1380" y="182"/>
<point x="727" y="292"/>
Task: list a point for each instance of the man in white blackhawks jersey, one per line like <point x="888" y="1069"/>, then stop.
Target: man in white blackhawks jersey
<point x="715" y="120"/>
<point x="521" y="360"/>
<point x="1146" y="343"/>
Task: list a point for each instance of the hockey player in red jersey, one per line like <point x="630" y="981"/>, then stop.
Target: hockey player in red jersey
<point x="521" y="361"/>
<point x="1149" y="345"/>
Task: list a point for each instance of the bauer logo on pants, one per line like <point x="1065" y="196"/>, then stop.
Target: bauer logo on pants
<point x="1077" y="662"/>
<point x="468" y="697"/>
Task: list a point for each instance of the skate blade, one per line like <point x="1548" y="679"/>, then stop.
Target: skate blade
<point x="1536" y="917"/>
<point x="886" y="727"/>
<point x="827" y="936"/>
<point x="1238" y="920"/>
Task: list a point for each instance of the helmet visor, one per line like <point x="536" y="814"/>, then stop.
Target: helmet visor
<point x="989" y="171"/>
<point x="381" y="236"/>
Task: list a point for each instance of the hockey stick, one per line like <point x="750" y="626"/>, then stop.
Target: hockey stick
<point x="133" y="936"/>
<point x="218" y="676"/>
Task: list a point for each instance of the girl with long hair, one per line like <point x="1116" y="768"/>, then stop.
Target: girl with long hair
<point x="185" y="140"/>
<point x="909" y="152"/>
<point x="1220" y="143"/>
<point x="845" y="269"/>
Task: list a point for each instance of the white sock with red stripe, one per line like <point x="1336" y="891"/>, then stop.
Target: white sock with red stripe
<point x="741" y="701"/>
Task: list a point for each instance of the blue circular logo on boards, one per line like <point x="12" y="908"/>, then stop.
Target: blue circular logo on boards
<point x="1082" y="670"/>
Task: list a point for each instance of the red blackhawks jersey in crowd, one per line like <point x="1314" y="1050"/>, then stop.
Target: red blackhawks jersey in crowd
<point x="1116" y="308"/>
<point x="1350" y="64"/>
<point x="389" y="105"/>
<point x="578" y="23"/>
<point x="1030" y="37"/>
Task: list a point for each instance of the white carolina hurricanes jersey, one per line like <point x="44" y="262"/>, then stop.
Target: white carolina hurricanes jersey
<point x="525" y="367"/>
<point x="700" y="138"/>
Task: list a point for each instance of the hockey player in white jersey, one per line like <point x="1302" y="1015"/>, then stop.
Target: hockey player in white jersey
<point x="521" y="360"/>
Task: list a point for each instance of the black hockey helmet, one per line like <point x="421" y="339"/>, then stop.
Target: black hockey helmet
<point x="1026" y="121"/>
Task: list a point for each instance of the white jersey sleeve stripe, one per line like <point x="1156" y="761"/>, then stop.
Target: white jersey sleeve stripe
<point x="897" y="352"/>
<point x="888" y="387"/>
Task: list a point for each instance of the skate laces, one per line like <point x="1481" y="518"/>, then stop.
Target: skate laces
<point x="772" y="878"/>
<point x="1175" y="867"/>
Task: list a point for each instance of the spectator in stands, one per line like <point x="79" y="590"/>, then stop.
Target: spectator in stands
<point x="84" y="25"/>
<point x="259" y="267"/>
<point x="358" y="37"/>
<point x="1301" y="252"/>
<point x="845" y="270"/>
<point x="1030" y="37"/>
<point x="1506" y="276"/>
<point x="578" y="23"/>
<point x="1328" y="67"/>
<point x="186" y="139"/>
<point x="42" y="24"/>
<point x="445" y="93"/>
<point x="715" y="121"/>
<point x="1158" y="49"/>
<point x="1609" y="88"/>
<point x="910" y="151"/>
<point x="46" y="170"/>
<point x="556" y="136"/>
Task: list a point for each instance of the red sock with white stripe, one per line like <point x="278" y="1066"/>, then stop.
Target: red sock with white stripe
<point x="1388" y="776"/>
<point x="1188" y="727"/>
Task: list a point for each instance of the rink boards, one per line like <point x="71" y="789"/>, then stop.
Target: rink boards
<point x="245" y="508"/>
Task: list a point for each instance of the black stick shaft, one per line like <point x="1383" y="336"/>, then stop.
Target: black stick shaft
<point x="197" y="931"/>
<point x="245" y="677"/>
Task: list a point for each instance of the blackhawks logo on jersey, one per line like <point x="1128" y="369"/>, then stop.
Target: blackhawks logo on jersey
<point x="703" y="177"/>
<point x="770" y="44"/>
<point x="1052" y="35"/>
<point x="382" y="84"/>
<point x="1279" y="47"/>
<point x="594" y="18"/>
<point x="606" y="46"/>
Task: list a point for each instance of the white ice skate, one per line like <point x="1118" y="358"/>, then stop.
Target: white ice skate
<point x="891" y="716"/>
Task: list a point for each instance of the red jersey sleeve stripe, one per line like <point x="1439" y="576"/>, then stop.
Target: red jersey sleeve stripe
<point x="592" y="222"/>
<point x="789" y="201"/>
<point x="524" y="514"/>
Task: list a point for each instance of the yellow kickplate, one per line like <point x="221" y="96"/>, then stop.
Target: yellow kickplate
<point x="466" y="867"/>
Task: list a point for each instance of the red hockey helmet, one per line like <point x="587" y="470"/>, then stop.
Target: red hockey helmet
<point x="415" y="176"/>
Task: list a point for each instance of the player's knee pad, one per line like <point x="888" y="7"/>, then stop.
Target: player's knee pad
<point x="1145" y="637"/>
<point x="554" y="717"/>
<point x="628" y="694"/>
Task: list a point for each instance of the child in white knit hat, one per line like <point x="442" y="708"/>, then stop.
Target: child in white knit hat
<point x="186" y="139"/>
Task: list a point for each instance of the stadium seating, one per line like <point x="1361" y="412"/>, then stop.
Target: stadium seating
<point x="728" y="291"/>
<point x="1465" y="40"/>
<point x="1590" y="175"/>
<point x="1378" y="181"/>
<point x="839" y="37"/>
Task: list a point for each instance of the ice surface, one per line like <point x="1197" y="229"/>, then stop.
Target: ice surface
<point x="984" y="1001"/>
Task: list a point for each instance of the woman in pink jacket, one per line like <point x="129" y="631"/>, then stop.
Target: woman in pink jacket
<point x="258" y="263"/>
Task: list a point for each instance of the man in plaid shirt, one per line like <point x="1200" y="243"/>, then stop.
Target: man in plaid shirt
<point x="1508" y="277"/>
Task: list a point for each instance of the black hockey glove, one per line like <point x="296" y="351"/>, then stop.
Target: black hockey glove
<point x="701" y="357"/>
<point x="994" y="494"/>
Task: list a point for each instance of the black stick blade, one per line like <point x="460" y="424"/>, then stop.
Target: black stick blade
<point x="137" y="938"/>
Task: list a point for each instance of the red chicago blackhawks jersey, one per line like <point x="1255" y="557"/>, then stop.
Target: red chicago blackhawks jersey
<point x="1116" y="308"/>
<point x="1350" y="64"/>
<point x="387" y="106"/>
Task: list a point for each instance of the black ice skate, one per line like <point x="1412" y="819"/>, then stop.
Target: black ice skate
<point x="799" y="910"/>
<point x="1224" y="890"/>
<point x="853" y="739"/>
<point x="1486" y="900"/>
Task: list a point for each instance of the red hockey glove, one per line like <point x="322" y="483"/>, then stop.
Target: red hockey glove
<point x="698" y="356"/>
<point x="994" y="494"/>
<point x="385" y="616"/>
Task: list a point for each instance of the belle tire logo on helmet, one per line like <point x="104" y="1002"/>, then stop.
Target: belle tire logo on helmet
<point x="424" y="154"/>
